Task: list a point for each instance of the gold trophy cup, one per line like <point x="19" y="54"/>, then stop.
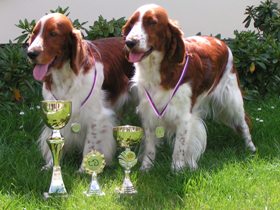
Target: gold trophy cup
<point x="127" y="136"/>
<point x="56" y="115"/>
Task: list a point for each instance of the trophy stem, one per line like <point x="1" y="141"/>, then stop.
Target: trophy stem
<point x="56" y="146"/>
<point x="57" y="187"/>
<point x="56" y="134"/>
<point x="94" y="188"/>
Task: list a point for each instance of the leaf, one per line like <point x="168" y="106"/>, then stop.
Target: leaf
<point x="111" y="28"/>
<point x="21" y="38"/>
<point x="262" y="65"/>
<point x="252" y="68"/>
<point x="248" y="23"/>
<point x="17" y="94"/>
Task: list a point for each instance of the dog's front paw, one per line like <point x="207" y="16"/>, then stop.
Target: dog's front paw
<point x="179" y="165"/>
<point x="146" y="166"/>
<point x="81" y="170"/>
<point x="46" y="167"/>
<point x="251" y="147"/>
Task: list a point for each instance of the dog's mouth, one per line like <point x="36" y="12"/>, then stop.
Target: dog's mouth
<point x="135" y="56"/>
<point x="41" y="70"/>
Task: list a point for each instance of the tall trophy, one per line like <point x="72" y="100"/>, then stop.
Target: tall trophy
<point x="56" y="115"/>
<point x="93" y="164"/>
<point x="127" y="136"/>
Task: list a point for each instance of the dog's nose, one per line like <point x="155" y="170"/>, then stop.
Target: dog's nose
<point x="130" y="43"/>
<point x="33" y="54"/>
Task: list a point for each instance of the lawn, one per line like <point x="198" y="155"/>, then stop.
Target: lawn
<point x="228" y="177"/>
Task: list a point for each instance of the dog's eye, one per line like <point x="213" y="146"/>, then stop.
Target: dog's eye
<point x="152" y="21"/>
<point x="53" y="33"/>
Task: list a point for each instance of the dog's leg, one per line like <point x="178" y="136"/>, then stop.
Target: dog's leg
<point x="244" y="130"/>
<point x="44" y="147"/>
<point x="100" y="137"/>
<point x="190" y="143"/>
<point x="148" y="145"/>
<point x="229" y="103"/>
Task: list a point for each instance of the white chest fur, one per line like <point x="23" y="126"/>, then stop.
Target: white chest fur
<point x="147" y="77"/>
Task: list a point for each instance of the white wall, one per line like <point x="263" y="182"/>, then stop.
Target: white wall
<point x="206" y="16"/>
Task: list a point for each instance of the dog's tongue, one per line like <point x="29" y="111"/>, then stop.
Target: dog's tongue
<point x="40" y="71"/>
<point x="135" y="57"/>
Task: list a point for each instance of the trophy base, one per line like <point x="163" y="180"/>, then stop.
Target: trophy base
<point x="127" y="187"/>
<point x="89" y="194"/>
<point x="57" y="187"/>
<point x="47" y="195"/>
<point x="126" y="191"/>
<point x="94" y="188"/>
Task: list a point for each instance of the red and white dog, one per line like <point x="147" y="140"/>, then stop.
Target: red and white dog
<point x="93" y="75"/>
<point x="181" y="82"/>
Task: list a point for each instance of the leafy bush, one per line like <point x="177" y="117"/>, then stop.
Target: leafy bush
<point x="257" y="53"/>
<point x="257" y="61"/>
<point x="103" y="28"/>
<point x="265" y="18"/>
<point x="15" y="70"/>
<point x="27" y="28"/>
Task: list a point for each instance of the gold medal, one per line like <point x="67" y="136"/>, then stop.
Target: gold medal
<point x="94" y="162"/>
<point x="75" y="127"/>
<point x="159" y="132"/>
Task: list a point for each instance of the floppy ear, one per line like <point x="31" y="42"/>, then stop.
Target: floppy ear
<point x="176" y="50"/>
<point x="77" y="51"/>
<point x="126" y="29"/>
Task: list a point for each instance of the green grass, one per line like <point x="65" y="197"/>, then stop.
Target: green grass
<point x="228" y="177"/>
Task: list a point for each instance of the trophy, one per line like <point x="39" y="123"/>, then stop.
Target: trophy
<point x="93" y="163"/>
<point x="56" y="115"/>
<point x="126" y="136"/>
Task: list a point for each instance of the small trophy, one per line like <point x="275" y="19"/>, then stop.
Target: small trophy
<point x="56" y="115"/>
<point x="93" y="163"/>
<point x="126" y="136"/>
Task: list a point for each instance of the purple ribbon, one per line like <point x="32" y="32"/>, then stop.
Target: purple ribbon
<point x="161" y="113"/>
<point x="90" y="92"/>
<point x="92" y="87"/>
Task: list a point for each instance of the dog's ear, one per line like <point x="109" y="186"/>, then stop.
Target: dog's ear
<point x="77" y="50"/>
<point x="176" y="49"/>
<point x="126" y="29"/>
<point x="129" y="24"/>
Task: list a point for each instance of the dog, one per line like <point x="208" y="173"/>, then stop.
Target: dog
<point x="94" y="75"/>
<point x="181" y="81"/>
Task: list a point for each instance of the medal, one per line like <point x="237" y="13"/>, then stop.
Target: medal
<point x="159" y="132"/>
<point x="94" y="162"/>
<point x="75" y="127"/>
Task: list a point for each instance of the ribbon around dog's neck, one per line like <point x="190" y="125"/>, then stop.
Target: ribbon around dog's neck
<point x="161" y="113"/>
<point x="90" y="92"/>
<point x="92" y="87"/>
